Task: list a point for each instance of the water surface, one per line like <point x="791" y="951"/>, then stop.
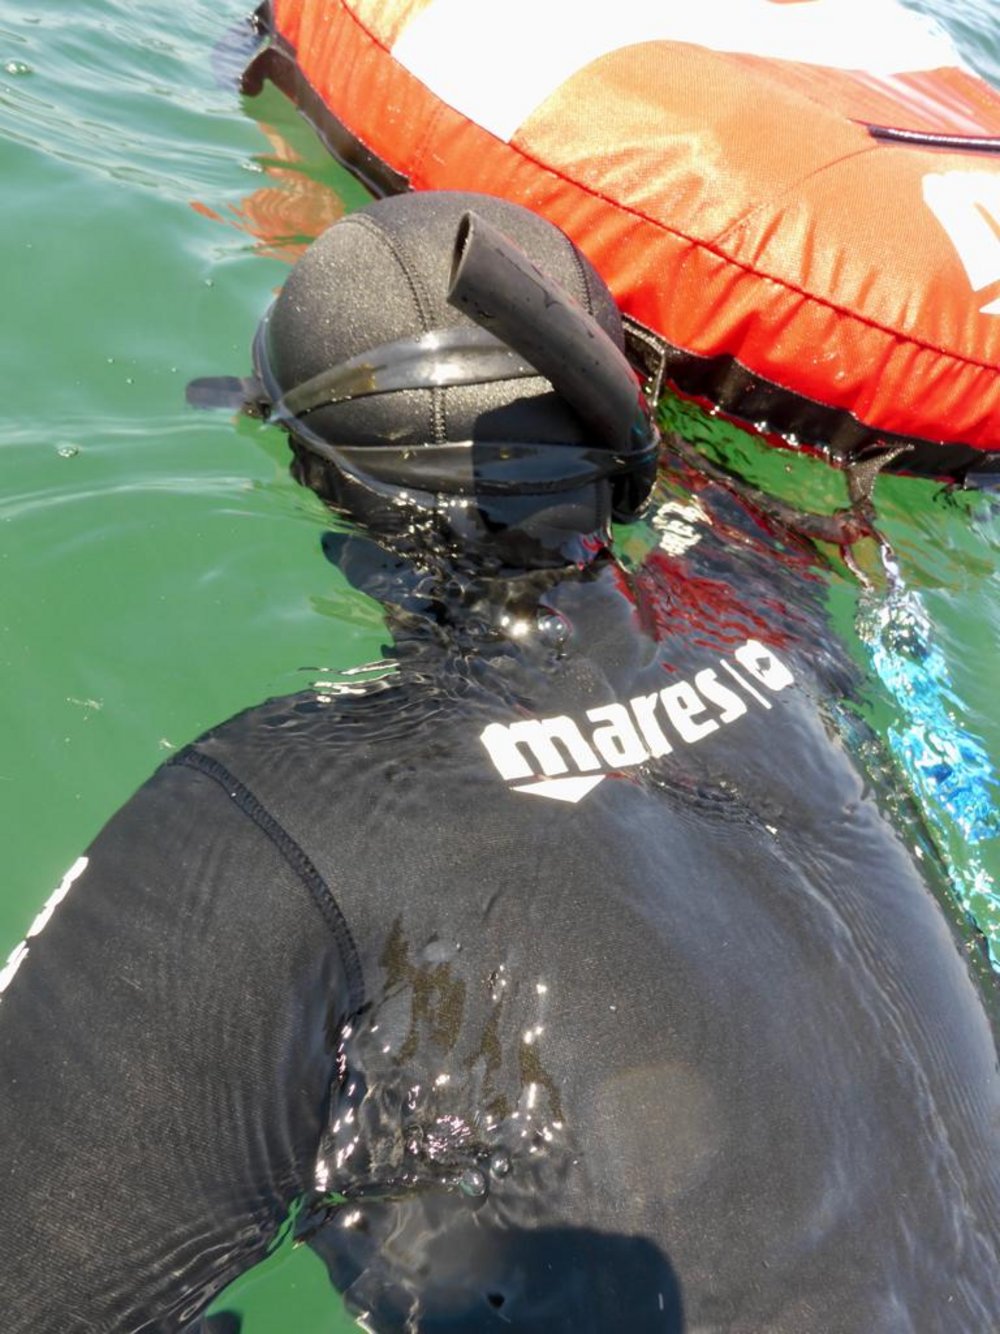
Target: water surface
<point x="160" y="570"/>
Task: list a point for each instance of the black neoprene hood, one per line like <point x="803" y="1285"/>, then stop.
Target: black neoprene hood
<point x="391" y="357"/>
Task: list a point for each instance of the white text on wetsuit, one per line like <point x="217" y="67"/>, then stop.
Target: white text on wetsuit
<point x="565" y="759"/>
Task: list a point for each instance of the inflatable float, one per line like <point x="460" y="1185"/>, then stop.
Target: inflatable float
<point x="796" y="204"/>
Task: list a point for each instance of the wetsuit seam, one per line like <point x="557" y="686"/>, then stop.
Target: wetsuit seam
<point x="296" y="858"/>
<point x="417" y="290"/>
<point x="588" y="295"/>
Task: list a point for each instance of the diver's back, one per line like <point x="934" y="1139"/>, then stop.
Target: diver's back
<point x="651" y="1040"/>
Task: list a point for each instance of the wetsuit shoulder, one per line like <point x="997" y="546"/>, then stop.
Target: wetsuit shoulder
<point x="165" y="1061"/>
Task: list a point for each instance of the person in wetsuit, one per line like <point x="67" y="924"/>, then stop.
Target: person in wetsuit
<point x="565" y="973"/>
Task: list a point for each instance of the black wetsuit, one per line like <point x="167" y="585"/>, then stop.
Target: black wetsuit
<point x="638" y="1016"/>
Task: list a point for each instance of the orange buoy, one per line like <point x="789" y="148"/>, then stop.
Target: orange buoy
<point x="801" y="200"/>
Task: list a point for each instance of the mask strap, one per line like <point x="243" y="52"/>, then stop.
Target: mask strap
<point x="441" y="357"/>
<point x="487" y="468"/>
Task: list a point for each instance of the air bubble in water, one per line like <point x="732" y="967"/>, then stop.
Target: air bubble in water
<point x="552" y="628"/>
<point x="472" y="1182"/>
<point x="499" y="1164"/>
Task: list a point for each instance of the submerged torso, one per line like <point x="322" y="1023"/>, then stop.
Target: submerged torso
<point x="689" y="1046"/>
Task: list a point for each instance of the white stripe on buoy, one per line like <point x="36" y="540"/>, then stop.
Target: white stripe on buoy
<point x="496" y="62"/>
<point x="20" y="952"/>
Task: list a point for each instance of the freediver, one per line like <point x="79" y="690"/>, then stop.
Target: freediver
<point x="564" y="974"/>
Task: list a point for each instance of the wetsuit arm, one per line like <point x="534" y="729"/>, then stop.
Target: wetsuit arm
<point x="166" y="1053"/>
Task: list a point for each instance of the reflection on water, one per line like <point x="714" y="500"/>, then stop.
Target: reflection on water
<point x="288" y="212"/>
<point x="947" y="767"/>
<point x="397" y="1130"/>
<point x="940" y="741"/>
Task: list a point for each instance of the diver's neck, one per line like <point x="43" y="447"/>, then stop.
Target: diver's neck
<point x="508" y="614"/>
<point x="470" y="611"/>
<point x="437" y="601"/>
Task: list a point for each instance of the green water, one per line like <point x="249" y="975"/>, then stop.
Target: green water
<point x="159" y="569"/>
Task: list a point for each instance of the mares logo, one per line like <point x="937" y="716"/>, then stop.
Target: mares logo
<point x="565" y="759"/>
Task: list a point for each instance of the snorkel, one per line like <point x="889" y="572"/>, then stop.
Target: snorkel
<point x="498" y="287"/>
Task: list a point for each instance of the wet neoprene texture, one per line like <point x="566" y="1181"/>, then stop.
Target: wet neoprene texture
<point x="688" y="1044"/>
<point x="402" y="246"/>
